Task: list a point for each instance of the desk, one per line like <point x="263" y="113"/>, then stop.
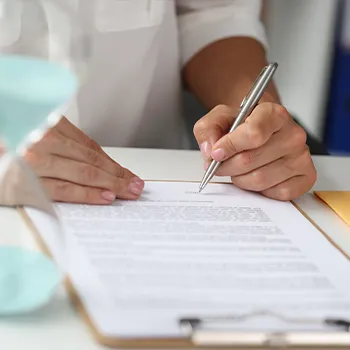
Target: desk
<point x="59" y="327"/>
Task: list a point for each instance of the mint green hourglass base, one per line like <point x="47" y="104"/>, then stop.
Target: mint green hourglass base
<point x="28" y="280"/>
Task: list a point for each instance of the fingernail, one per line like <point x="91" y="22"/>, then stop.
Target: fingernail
<point x="136" y="186"/>
<point x="218" y="155"/>
<point x="108" y="196"/>
<point x="205" y="148"/>
<point x="138" y="181"/>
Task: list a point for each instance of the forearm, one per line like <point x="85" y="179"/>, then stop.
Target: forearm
<point x="223" y="72"/>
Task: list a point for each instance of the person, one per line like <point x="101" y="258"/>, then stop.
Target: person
<point x="145" y="53"/>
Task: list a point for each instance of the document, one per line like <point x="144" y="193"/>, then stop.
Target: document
<point x="140" y="266"/>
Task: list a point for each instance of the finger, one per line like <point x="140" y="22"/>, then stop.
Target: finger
<point x="60" y="145"/>
<point x="286" y="141"/>
<point x="63" y="191"/>
<point x="274" y="173"/>
<point x="66" y="128"/>
<point x="265" y="120"/>
<point x="87" y="175"/>
<point x="211" y="127"/>
<point x="291" y="189"/>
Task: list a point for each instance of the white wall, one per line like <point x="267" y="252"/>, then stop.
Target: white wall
<point x="301" y="40"/>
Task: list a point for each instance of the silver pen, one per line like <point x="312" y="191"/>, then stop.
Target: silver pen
<point x="248" y="104"/>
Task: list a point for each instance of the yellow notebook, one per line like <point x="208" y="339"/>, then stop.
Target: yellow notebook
<point x="339" y="201"/>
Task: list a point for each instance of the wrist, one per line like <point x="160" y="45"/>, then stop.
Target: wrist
<point x="234" y="96"/>
<point x="270" y="97"/>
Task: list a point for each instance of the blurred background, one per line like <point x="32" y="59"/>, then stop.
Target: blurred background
<point x="310" y="39"/>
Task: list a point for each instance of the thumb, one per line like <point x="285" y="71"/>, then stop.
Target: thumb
<point x="209" y="129"/>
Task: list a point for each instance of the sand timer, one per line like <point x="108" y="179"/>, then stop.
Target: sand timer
<point x="44" y="48"/>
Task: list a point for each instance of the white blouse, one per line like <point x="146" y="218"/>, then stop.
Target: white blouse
<point x="132" y="97"/>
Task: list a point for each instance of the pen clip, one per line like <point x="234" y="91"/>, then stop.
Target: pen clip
<point x="252" y="88"/>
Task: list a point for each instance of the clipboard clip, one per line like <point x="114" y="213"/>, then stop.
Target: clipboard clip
<point x="206" y="332"/>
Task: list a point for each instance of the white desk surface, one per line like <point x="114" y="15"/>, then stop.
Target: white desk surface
<point x="59" y="327"/>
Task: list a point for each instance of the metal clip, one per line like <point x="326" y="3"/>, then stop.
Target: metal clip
<point x="200" y="332"/>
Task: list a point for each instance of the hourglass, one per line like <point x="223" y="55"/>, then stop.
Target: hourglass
<point x="44" y="47"/>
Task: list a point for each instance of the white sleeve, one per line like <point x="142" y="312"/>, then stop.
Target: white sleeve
<point x="202" y="22"/>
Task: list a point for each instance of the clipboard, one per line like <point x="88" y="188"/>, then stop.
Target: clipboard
<point x="197" y="332"/>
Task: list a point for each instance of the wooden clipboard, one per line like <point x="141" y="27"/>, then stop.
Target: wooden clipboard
<point x="200" y="339"/>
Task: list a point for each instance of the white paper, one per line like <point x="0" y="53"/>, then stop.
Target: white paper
<point x="140" y="266"/>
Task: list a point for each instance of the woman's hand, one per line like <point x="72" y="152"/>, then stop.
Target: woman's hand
<point x="73" y="168"/>
<point x="266" y="154"/>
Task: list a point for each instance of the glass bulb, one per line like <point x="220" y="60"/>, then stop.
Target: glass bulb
<point x="44" y="52"/>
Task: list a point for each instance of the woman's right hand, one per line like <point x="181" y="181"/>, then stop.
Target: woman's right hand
<point x="73" y="168"/>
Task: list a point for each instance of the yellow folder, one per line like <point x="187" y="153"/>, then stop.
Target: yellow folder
<point x="339" y="201"/>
